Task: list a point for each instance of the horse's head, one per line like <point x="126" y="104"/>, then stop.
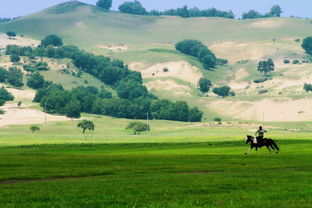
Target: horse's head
<point x="248" y="139"/>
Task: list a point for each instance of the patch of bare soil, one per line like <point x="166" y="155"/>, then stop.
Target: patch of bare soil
<point x="21" y="41"/>
<point x="169" y="85"/>
<point x="267" y="24"/>
<point x="268" y="109"/>
<point x="180" y="70"/>
<point x="115" y="47"/>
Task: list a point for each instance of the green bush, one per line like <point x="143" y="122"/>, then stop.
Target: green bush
<point x="307" y="87"/>
<point x="263" y="91"/>
<point x="296" y="61"/>
<point x="264" y="79"/>
<point x="286" y="61"/>
<point x="217" y="119"/>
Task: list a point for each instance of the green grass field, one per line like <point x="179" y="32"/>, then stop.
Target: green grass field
<point x="213" y="174"/>
<point x="175" y="165"/>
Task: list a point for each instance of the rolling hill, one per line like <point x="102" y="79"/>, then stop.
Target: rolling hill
<point x="146" y="44"/>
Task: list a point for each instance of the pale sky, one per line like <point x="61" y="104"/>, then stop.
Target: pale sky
<point x="301" y="8"/>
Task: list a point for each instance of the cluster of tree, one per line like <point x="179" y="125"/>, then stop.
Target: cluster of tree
<point x="69" y="102"/>
<point x="105" y="4"/>
<point x="194" y="12"/>
<point x="266" y="66"/>
<point x="307" y="87"/>
<point x="91" y="100"/>
<point x="51" y="40"/>
<point x="12" y="76"/>
<point x="204" y="84"/>
<point x="223" y="91"/>
<point x="111" y="72"/>
<point x="307" y="45"/>
<point x="133" y="7"/>
<point x="134" y="99"/>
<point x="275" y="11"/>
<point x="37" y="81"/>
<point x="177" y="111"/>
<point x="5" y="96"/>
<point x="138" y="127"/>
<point x="198" y="49"/>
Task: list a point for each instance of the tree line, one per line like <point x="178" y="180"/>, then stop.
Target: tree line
<point x="199" y="50"/>
<point x="135" y="7"/>
<point x="275" y="11"/>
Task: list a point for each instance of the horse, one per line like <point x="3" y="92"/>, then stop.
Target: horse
<point x="269" y="143"/>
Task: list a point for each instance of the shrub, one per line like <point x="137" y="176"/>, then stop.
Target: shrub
<point x="222" y="62"/>
<point x="34" y="128"/>
<point x="223" y="91"/>
<point x="138" y="127"/>
<point x="217" y="119"/>
<point x="42" y="66"/>
<point x="296" y="61"/>
<point x="261" y="80"/>
<point x="286" y="61"/>
<point x="263" y="91"/>
<point x="307" y="87"/>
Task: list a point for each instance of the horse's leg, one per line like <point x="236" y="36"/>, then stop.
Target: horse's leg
<point x="248" y="150"/>
<point x="268" y="148"/>
<point x="272" y="148"/>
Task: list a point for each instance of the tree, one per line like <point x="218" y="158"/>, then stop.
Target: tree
<point x="275" y="11"/>
<point x="15" y="58"/>
<point x="86" y="125"/>
<point x="266" y="66"/>
<point x="204" y="84"/>
<point x="72" y="109"/>
<point x="251" y="14"/>
<point x="3" y="74"/>
<point x="34" y="128"/>
<point x="307" y="45"/>
<point x="223" y="91"/>
<point x="11" y="34"/>
<point x="105" y="4"/>
<point x="15" y="77"/>
<point x="134" y="7"/>
<point x="307" y="87"/>
<point x="5" y="95"/>
<point x="195" y="115"/>
<point x="199" y="50"/>
<point x="36" y="81"/>
<point x="138" y="127"/>
<point x="53" y="40"/>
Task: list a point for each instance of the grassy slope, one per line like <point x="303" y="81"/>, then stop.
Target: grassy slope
<point x="89" y="27"/>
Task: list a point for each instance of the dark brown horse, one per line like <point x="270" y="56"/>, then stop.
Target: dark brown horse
<point x="269" y="143"/>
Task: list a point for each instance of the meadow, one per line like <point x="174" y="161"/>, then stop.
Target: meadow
<point x="175" y="165"/>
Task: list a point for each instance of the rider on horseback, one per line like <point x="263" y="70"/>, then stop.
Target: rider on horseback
<point x="260" y="132"/>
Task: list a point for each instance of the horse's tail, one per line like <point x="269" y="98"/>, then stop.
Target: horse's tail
<point x="275" y="145"/>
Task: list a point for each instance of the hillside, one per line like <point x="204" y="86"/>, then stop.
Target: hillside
<point x="146" y="44"/>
